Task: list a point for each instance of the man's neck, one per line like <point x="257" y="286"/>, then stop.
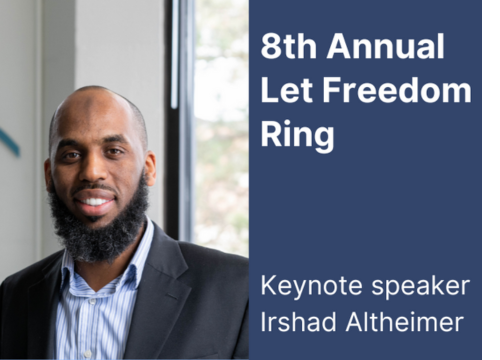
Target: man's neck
<point x="99" y="274"/>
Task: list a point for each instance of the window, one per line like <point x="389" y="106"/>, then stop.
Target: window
<point x="221" y="115"/>
<point x="207" y="151"/>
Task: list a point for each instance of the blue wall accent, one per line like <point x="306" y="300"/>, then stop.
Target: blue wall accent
<point x="7" y="140"/>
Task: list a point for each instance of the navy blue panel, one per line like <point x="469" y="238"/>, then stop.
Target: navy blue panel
<point x="399" y="196"/>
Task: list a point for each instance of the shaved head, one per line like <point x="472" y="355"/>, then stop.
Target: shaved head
<point x="86" y="99"/>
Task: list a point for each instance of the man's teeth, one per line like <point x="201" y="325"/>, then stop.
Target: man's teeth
<point x="94" y="202"/>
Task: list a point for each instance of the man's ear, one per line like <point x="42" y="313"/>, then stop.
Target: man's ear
<point x="150" y="168"/>
<point x="48" y="177"/>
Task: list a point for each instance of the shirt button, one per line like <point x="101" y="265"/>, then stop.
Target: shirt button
<point x="87" y="354"/>
<point x="92" y="301"/>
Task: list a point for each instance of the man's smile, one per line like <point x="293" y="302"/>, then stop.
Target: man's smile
<point x="94" y="202"/>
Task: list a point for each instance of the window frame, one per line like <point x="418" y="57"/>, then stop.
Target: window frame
<point x="179" y="123"/>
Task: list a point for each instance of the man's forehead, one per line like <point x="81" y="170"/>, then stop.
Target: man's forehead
<point x="88" y="102"/>
<point x="94" y="109"/>
<point x="91" y="109"/>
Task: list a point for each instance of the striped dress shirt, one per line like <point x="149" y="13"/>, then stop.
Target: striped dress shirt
<point x="95" y="325"/>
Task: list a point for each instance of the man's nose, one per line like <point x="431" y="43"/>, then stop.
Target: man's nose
<point x="93" y="168"/>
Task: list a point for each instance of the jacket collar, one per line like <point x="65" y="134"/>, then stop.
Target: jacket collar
<point x="160" y="298"/>
<point x="165" y="254"/>
<point x="43" y="297"/>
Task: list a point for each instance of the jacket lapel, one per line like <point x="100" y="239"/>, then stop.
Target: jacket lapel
<point x="160" y="298"/>
<point x="43" y="298"/>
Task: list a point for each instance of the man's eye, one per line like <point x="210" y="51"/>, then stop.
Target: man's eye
<point x="72" y="155"/>
<point x="114" y="151"/>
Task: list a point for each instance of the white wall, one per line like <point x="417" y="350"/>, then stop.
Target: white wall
<point x="58" y="70"/>
<point x="50" y="48"/>
<point x="18" y="205"/>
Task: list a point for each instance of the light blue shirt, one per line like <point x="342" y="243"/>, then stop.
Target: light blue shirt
<point x="95" y="325"/>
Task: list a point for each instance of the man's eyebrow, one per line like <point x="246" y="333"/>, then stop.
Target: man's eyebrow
<point x="115" y="138"/>
<point x="66" y="142"/>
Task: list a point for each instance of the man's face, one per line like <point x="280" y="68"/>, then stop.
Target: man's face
<point x="97" y="157"/>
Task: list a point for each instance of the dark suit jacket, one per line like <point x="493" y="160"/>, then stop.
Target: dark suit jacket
<point x="192" y="302"/>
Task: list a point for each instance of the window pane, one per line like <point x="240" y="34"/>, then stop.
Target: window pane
<point x="221" y="111"/>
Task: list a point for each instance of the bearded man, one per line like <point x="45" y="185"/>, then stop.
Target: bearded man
<point x="121" y="288"/>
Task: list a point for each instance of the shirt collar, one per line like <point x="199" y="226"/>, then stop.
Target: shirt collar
<point x="134" y="269"/>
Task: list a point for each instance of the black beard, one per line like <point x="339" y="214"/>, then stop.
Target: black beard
<point x="105" y="243"/>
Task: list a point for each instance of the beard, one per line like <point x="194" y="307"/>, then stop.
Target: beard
<point x="105" y="243"/>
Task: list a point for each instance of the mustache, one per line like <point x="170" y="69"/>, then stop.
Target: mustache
<point x="92" y="187"/>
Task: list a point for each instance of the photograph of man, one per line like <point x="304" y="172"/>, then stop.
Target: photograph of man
<point x="120" y="288"/>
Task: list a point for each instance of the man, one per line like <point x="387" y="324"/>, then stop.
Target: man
<point x="121" y="288"/>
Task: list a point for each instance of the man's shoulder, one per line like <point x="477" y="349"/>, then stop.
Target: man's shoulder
<point x="213" y="261"/>
<point x="34" y="272"/>
<point x="215" y="272"/>
<point x="199" y="261"/>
